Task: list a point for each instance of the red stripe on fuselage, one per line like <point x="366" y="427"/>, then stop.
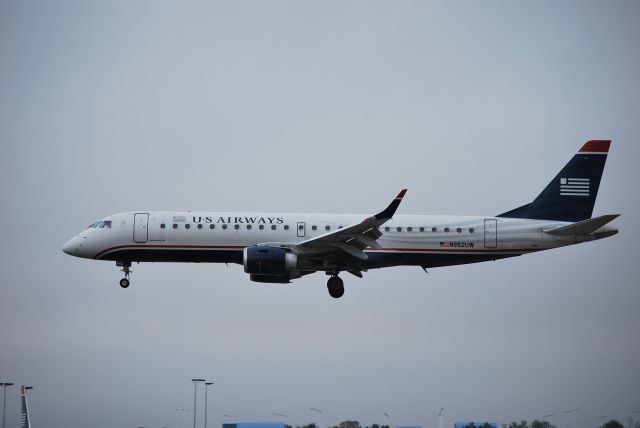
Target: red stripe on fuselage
<point x="195" y="247"/>
<point x="398" y="250"/>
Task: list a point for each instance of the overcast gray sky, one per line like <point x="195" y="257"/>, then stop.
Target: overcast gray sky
<point x="314" y="106"/>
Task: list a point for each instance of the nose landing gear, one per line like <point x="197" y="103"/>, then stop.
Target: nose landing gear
<point x="335" y="285"/>
<point x="124" y="282"/>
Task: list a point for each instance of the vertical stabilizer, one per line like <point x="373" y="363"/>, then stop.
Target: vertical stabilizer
<point x="571" y="195"/>
<point x="25" y="422"/>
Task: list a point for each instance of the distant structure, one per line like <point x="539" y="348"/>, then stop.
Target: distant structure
<point x="255" y="425"/>
<point x="408" y="426"/>
<point x="25" y="422"/>
<point x="476" y="424"/>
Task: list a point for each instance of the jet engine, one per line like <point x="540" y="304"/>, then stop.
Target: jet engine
<point x="270" y="264"/>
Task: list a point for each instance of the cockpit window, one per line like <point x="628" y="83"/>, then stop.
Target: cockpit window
<point x="101" y="225"/>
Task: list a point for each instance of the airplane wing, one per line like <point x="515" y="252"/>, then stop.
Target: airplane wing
<point x="351" y="240"/>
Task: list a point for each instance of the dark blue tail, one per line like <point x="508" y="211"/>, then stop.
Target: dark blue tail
<point x="572" y="193"/>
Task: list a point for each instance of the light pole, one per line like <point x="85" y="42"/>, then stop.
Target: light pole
<point x="195" y="393"/>
<point x="566" y="412"/>
<point x="386" y="418"/>
<point x="545" y="422"/>
<point x="440" y="417"/>
<point x="206" y="388"/>
<point x="4" y="400"/>
<point x="313" y="409"/>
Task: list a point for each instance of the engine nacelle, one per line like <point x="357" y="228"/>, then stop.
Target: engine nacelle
<point x="271" y="279"/>
<point x="269" y="261"/>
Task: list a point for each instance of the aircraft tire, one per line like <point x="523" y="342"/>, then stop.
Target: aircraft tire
<point x="335" y="285"/>
<point x="124" y="283"/>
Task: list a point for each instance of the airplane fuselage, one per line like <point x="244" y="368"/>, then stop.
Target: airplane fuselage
<point x="422" y="240"/>
<point x="279" y="247"/>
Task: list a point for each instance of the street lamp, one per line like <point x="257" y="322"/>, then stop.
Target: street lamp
<point x="440" y="417"/>
<point x="4" y="400"/>
<point x="600" y="418"/>
<point x="313" y="409"/>
<point x="386" y="418"/>
<point x="566" y="412"/>
<point x="195" y="392"/>
<point x="206" y="388"/>
<point x="544" y="420"/>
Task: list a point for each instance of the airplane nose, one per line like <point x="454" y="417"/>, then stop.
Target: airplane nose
<point x="71" y="247"/>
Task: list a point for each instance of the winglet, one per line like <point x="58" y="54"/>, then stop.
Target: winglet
<point x="391" y="209"/>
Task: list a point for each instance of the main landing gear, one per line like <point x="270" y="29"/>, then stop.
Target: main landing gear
<point x="335" y="286"/>
<point x="124" y="282"/>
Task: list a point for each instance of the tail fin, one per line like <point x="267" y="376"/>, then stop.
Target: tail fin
<point x="25" y="422"/>
<point x="572" y="193"/>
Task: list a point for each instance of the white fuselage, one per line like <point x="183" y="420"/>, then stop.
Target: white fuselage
<point x="424" y="240"/>
<point x="279" y="247"/>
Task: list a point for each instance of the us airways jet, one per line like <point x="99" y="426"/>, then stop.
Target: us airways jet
<point x="280" y="247"/>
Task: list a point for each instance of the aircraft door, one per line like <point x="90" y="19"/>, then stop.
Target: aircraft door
<point x="301" y="228"/>
<point x="490" y="233"/>
<point x="140" y="227"/>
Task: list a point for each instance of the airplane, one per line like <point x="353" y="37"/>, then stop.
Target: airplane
<point x="280" y="247"/>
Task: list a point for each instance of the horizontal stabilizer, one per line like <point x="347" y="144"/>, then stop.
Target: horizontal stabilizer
<point x="583" y="227"/>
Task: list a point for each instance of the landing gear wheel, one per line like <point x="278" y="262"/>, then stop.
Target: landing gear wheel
<point x="335" y="285"/>
<point x="124" y="282"/>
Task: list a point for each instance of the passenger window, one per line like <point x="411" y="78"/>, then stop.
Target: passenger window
<point x="446" y="229"/>
<point x="471" y="230"/>
<point x="175" y="226"/>
<point x="236" y="226"/>
<point x="422" y="229"/>
<point x="248" y="227"/>
<point x="327" y="228"/>
<point x="398" y="229"/>
<point x="458" y="230"/>
<point x="434" y="229"/>
<point x="212" y="226"/>
<point x="161" y="225"/>
<point x="224" y="226"/>
<point x="313" y="227"/>
<point x="273" y="227"/>
<point x="409" y="229"/>
<point x="339" y="227"/>
<point x="286" y="227"/>
<point x="386" y="229"/>
<point x="199" y="226"/>
<point x="300" y="227"/>
<point x="187" y="226"/>
<point x="261" y="227"/>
